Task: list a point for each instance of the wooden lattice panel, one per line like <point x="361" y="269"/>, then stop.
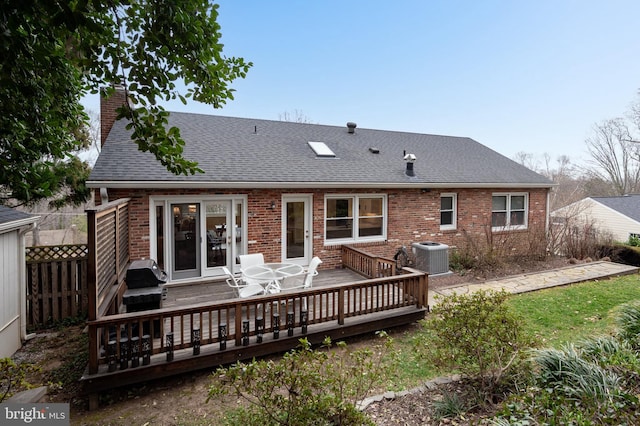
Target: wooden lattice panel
<point x="48" y="253"/>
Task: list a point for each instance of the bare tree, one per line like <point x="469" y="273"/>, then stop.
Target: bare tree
<point x="296" y="117"/>
<point x="565" y="175"/>
<point x="527" y="159"/>
<point x="562" y="172"/>
<point x="614" y="156"/>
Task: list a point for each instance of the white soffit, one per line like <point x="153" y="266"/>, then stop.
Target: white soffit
<point x="321" y="149"/>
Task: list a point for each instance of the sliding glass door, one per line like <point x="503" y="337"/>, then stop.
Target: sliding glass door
<point x="196" y="238"/>
<point x="223" y="229"/>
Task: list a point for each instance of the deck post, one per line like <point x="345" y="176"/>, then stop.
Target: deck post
<point x="341" y="306"/>
<point x="423" y="283"/>
<point x="238" y="318"/>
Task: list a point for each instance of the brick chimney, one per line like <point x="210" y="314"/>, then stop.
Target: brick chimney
<point x="108" y="106"/>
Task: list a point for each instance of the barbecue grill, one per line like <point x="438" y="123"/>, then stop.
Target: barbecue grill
<point x="144" y="286"/>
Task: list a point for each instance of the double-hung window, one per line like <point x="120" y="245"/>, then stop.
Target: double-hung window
<point x="355" y="218"/>
<point x="448" y="211"/>
<point x="509" y="211"/>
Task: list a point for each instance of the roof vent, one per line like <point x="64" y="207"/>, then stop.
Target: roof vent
<point x="374" y="150"/>
<point x="410" y="159"/>
<point x="351" y="127"/>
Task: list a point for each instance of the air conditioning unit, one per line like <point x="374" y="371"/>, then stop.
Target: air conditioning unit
<point x="431" y="257"/>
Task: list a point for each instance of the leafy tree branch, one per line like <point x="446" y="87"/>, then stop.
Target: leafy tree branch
<point x="54" y="52"/>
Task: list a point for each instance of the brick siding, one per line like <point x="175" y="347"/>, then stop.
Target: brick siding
<point x="413" y="216"/>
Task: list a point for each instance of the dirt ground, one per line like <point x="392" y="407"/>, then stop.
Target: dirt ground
<point x="181" y="400"/>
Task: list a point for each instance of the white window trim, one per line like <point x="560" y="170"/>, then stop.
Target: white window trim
<point x="356" y="217"/>
<point x="454" y="208"/>
<point x="509" y="227"/>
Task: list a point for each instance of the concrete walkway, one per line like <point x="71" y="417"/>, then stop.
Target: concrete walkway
<point x="539" y="280"/>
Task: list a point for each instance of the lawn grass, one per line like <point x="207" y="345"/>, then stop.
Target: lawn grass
<point x="556" y="316"/>
<point x="568" y="314"/>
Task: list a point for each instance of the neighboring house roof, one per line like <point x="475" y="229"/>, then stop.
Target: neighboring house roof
<point x="628" y="205"/>
<point x="252" y="153"/>
<point x="12" y="218"/>
<point x="618" y="216"/>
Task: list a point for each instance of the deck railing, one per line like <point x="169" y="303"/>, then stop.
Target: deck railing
<point x="56" y="283"/>
<point x="121" y="341"/>
<point x="367" y="264"/>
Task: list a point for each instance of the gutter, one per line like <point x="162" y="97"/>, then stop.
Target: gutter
<point x="292" y="185"/>
<point x="16" y="224"/>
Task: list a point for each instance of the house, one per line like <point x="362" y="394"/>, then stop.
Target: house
<point x="294" y="190"/>
<point x="13" y="329"/>
<point x="618" y="216"/>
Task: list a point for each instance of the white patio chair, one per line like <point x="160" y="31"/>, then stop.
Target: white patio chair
<point x="241" y="289"/>
<point x="247" y="260"/>
<point x="312" y="271"/>
<point x="299" y="282"/>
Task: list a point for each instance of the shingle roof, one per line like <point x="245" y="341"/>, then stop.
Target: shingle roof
<point x="628" y="205"/>
<point x="8" y="214"/>
<point x="234" y="150"/>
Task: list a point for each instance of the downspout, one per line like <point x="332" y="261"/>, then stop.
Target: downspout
<point x="23" y="279"/>
<point x="104" y="196"/>
<point x="548" y="218"/>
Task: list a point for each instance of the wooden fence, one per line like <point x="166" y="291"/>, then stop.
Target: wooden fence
<point x="56" y="283"/>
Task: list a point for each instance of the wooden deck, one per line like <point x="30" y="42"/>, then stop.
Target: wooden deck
<point x="217" y="290"/>
<point x="202" y="325"/>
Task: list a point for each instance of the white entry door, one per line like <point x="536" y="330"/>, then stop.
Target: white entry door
<point x="297" y="244"/>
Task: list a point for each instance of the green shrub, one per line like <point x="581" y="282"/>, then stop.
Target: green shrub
<point x="451" y="405"/>
<point x="620" y="253"/>
<point x="479" y="336"/>
<point x="310" y="387"/>
<point x="460" y="260"/>
<point x="628" y="322"/>
<point x="607" y="351"/>
<point x="634" y="241"/>
<point x="593" y="382"/>
<point x="13" y="377"/>
<point x="577" y="377"/>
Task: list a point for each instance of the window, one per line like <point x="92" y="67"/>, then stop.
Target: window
<point x="509" y="211"/>
<point x="355" y="218"/>
<point x="448" y="211"/>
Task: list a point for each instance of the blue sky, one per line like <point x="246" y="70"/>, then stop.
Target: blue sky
<point x="516" y="76"/>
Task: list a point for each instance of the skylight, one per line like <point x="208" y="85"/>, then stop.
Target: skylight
<point x="321" y="149"/>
